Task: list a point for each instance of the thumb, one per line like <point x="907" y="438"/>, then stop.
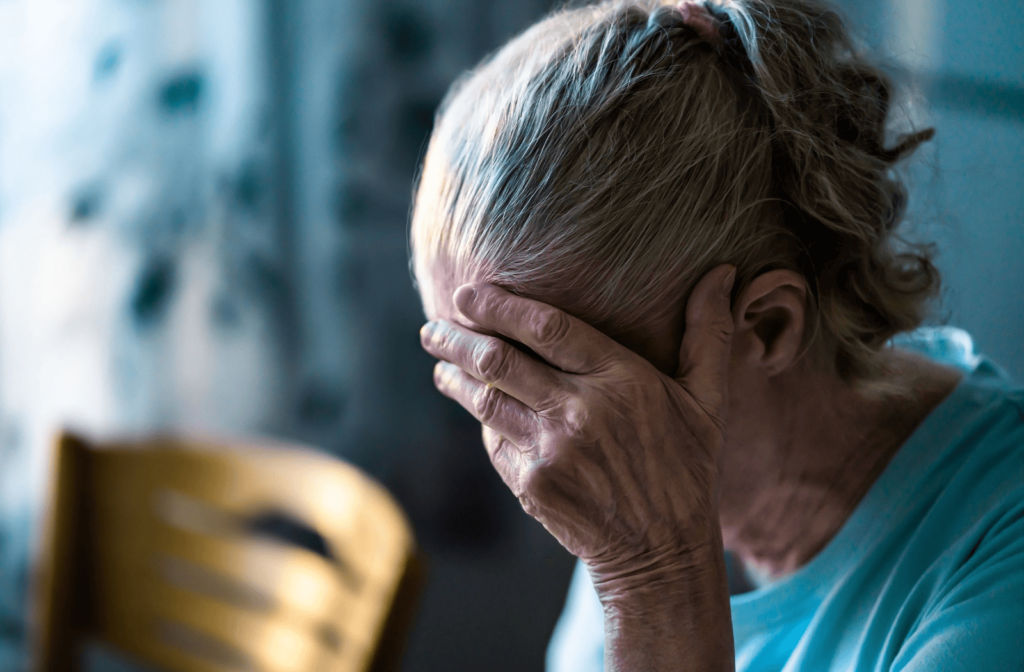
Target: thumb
<point x="704" y="353"/>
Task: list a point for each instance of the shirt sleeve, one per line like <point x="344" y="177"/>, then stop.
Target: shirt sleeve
<point x="577" y="644"/>
<point x="978" y="624"/>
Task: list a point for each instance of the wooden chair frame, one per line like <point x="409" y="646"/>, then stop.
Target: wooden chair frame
<point x="118" y="510"/>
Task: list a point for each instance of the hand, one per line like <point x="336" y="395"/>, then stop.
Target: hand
<point x="614" y="458"/>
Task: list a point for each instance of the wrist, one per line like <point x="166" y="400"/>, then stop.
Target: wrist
<point x="668" y="614"/>
<point x="692" y="577"/>
<point x="663" y="571"/>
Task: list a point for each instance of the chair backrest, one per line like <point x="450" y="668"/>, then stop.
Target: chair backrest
<point x="202" y="556"/>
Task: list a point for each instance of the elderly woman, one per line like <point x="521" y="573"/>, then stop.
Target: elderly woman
<point x="657" y="248"/>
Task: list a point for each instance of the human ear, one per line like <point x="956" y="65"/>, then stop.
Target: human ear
<point x="770" y="316"/>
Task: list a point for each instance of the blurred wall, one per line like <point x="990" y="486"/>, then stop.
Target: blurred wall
<point x="962" y="66"/>
<point x="203" y="209"/>
<point x="140" y="258"/>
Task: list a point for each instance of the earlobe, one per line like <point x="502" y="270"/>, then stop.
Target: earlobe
<point x="771" y="314"/>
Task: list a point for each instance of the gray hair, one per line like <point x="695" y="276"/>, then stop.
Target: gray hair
<point x="608" y="157"/>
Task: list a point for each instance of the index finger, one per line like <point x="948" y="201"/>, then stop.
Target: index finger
<point x="559" y="338"/>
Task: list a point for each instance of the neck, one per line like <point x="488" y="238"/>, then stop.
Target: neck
<point x="802" y="450"/>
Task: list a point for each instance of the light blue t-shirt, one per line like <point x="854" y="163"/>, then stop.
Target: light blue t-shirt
<point x="927" y="573"/>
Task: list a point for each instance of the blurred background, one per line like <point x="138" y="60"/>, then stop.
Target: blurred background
<point x="203" y="215"/>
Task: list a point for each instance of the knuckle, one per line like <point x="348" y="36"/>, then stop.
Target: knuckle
<point x="486" y="403"/>
<point x="540" y="480"/>
<point x="529" y="506"/>
<point x="575" y="416"/>
<point x="530" y="482"/>
<point x="493" y="360"/>
<point x="556" y="447"/>
<point x="507" y="465"/>
<point x="549" y="326"/>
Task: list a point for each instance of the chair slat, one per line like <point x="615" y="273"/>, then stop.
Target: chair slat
<point x="273" y="646"/>
<point x="346" y="507"/>
<point x="294" y="580"/>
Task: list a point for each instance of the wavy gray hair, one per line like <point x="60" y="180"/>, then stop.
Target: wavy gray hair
<point x="608" y="157"/>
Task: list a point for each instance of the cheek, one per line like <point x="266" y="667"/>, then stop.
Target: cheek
<point x="745" y="385"/>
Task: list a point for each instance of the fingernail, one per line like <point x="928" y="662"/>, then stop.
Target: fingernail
<point x="427" y="331"/>
<point x="442" y="374"/>
<point x="464" y="296"/>
<point x="726" y="288"/>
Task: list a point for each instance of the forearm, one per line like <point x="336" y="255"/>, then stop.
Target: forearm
<point x="674" y="618"/>
<point x="616" y="459"/>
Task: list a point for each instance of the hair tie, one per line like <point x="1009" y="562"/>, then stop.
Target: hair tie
<point x="696" y="16"/>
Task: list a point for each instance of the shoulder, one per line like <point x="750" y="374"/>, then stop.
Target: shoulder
<point x="983" y="419"/>
<point x="974" y="619"/>
<point x="973" y="616"/>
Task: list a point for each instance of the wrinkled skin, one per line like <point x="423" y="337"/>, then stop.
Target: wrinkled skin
<point x="616" y="459"/>
<point x="622" y="449"/>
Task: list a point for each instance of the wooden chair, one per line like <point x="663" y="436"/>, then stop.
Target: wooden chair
<point x="199" y="556"/>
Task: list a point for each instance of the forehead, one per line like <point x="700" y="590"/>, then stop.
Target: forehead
<point x="438" y="279"/>
<point x="434" y="286"/>
<point x="437" y="282"/>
